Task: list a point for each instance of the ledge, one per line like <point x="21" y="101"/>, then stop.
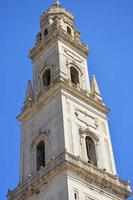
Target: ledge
<point x="57" y="86"/>
<point x="69" y="162"/>
<point x="58" y="34"/>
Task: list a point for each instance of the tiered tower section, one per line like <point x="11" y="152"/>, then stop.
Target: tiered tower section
<point x="66" y="151"/>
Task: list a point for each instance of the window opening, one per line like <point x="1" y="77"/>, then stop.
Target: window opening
<point x="74" y="76"/>
<point x="47" y="78"/>
<point x="91" y="152"/>
<point x="75" y="195"/>
<point x="69" y="30"/>
<point x="40" y="155"/>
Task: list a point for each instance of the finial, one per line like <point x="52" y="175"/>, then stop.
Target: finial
<point x="57" y="3"/>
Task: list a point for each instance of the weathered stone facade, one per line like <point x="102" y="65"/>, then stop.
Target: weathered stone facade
<point x="63" y="110"/>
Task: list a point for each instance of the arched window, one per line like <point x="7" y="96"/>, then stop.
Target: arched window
<point x="45" y="32"/>
<point x="91" y="152"/>
<point x="69" y="30"/>
<point x="74" y="76"/>
<point x="46" y="78"/>
<point x="40" y="149"/>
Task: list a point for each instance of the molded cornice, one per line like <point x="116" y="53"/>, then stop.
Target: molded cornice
<point x="53" y="91"/>
<point x="93" y="176"/>
<point x="58" y="34"/>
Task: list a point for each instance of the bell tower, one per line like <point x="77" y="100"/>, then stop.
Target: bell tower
<point x="66" y="151"/>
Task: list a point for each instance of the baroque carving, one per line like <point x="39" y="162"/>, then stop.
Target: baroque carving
<point x="89" y="121"/>
<point x="73" y="56"/>
<point x="87" y="132"/>
<point x="42" y="135"/>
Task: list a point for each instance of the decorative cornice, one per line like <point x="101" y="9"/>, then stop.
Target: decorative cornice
<point x="68" y="162"/>
<point x="38" y="100"/>
<point x="84" y="96"/>
<point x="58" y="34"/>
<point x="53" y="90"/>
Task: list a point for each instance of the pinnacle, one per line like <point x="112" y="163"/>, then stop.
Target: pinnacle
<point x="95" y="89"/>
<point x="29" y="91"/>
<point x="94" y="86"/>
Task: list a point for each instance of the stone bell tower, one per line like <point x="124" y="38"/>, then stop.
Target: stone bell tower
<point x="66" y="151"/>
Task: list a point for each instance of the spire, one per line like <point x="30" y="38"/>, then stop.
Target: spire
<point x="95" y="91"/>
<point x="29" y="92"/>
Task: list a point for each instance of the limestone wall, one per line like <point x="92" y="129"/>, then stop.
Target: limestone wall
<point x="77" y="117"/>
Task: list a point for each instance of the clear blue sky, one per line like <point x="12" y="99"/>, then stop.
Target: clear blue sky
<point x="107" y="28"/>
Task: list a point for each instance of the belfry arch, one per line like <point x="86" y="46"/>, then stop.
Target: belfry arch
<point x="91" y="151"/>
<point x="74" y="75"/>
<point x="40" y="155"/>
<point x="46" y="77"/>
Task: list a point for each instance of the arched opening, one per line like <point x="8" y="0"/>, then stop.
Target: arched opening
<point x="69" y="30"/>
<point x="40" y="149"/>
<point x="47" y="78"/>
<point x="45" y="32"/>
<point x="91" y="152"/>
<point x="74" y="76"/>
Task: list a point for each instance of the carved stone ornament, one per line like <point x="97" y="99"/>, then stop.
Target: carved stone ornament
<point x="73" y="56"/>
<point x="44" y="67"/>
<point x="42" y="135"/>
<point x="87" y="132"/>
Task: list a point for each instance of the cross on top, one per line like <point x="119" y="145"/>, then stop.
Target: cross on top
<point x="57" y="2"/>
